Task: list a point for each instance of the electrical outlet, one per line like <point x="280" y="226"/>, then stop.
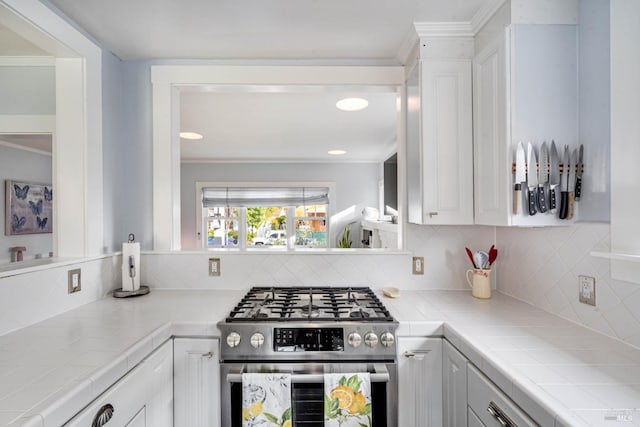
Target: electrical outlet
<point x="418" y="265"/>
<point x="587" y="290"/>
<point x="214" y="266"/>
<point x="74" y="282"/>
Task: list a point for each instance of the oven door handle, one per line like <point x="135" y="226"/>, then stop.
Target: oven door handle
<point x="381" y="375"/>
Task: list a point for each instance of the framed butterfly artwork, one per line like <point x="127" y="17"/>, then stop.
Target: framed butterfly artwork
<point x="29" y="208"/>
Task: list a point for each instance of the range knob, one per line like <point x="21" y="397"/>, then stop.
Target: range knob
<point x="354" y="339"/>
<point x="387" y="339"/>
<point x="233" y="339"/>
<point x="371" y="339"/>
<point x="257" y="340"/>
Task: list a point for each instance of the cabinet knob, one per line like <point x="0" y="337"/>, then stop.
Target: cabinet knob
<point x="208" y="355"/>
<point x="103" y="416"/>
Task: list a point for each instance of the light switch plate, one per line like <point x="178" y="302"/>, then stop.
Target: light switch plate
<point x="74" y="282"/>
<point x="214" y="266"/>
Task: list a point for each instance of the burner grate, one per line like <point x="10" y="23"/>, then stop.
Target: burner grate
<point x="309" y="304"/>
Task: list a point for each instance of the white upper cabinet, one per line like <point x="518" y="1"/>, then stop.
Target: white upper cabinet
<point x="625" y="140"/>
<point x="439" y="135"/>
<point x="525" y="80"/>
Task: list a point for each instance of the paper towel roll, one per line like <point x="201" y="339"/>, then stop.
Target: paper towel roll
<point x="130" y="250"/>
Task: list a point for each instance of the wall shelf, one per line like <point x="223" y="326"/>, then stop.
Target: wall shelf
<point x="616" y="256"/>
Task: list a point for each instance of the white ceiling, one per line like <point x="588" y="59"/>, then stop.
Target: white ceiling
<point x="258" y="29"/>
<point x="287" y="126"/>
<point x="281" y="126"/>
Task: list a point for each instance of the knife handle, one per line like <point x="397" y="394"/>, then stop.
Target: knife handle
<point x="564" y="204"/>
<point x="570" y="208"/>
<point x="517" y="199"/>
<point x="532" y="200"/>
<point x="578" y="188"/>
<point x="552" y="199"/>
<point x="542" y="200"/>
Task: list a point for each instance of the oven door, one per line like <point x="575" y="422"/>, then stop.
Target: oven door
<point x="307" y="394"/>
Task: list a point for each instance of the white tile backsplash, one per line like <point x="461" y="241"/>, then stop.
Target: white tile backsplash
<point x="29" y="298"/>
<point x="442" y="248"/>
<point x="541" y="266"/>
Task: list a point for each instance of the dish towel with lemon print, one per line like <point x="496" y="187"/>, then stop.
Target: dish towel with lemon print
<point x="266" y="400"/>
<point x="347" y="400"/>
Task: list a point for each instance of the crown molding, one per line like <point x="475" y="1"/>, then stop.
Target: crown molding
<point x="486" y="12"/>
<point x="453" y="30"/>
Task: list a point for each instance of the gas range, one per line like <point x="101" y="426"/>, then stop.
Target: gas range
<point x="308" y="323"/>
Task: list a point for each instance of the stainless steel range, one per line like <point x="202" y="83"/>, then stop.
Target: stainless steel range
<point x="308" y="332"/>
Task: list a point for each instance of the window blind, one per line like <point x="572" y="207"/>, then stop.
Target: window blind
<point x="249" y="197"/>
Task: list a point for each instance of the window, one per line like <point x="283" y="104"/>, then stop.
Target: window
<point x="283" y="217"/>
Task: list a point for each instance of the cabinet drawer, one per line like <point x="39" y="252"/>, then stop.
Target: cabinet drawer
<point x="485" y="398"/>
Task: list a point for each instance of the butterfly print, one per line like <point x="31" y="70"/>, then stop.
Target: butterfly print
<point x="42" y="223"/>
<point x="36" y="208"/>
<point x="18" y="223"/>
<point x="48" y="194"/>
<point x="21" y="193"/>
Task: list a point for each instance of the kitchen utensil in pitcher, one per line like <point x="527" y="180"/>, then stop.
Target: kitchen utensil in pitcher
<point x="480" y="282"/>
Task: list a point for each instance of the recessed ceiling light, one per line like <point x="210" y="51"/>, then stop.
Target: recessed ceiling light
<point x="190" y="135"/>
<point x="336" y="152"/>
<point x="352" y="104"/>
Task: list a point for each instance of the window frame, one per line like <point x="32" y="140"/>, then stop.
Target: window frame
<point x="201" y="230"/>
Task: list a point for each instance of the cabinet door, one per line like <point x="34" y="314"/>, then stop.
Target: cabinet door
<point x="419" y="382"/>
<point x="454" y="386"/>
<point x="196" y="382"/>
<point x="492" y="163"/>
<point x="447" y="155"/>
<point x="139" y="420"/>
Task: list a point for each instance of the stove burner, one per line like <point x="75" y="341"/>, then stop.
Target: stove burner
<point x="310" y="310"/>
<point x="357" y="314"/>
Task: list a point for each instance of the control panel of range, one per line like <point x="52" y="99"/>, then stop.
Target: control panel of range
<point x="308" y="339"/>
<point x="324" y="339"/>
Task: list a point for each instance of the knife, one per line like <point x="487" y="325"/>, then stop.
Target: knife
<point x="572" y="182"/>
<point x="543" y="177"/>
<point x="579" y="174"/>
<point x="532" y="178"/>
<point x="520" y="178"/>
<point x="564" y="184"/>
<point x="554" y="177"/>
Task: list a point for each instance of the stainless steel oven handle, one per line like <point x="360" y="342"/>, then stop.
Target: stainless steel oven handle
<point x="380" y="376"/>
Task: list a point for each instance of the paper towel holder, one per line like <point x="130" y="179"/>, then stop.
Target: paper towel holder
<point x="143" y="289"/>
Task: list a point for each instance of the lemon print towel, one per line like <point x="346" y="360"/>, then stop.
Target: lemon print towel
<point x="347" y="400"/>
<point x="266" y="400"/>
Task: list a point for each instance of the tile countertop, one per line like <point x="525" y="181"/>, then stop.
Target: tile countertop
<point x="570" y="373"/>
<point x="579" y="377"/>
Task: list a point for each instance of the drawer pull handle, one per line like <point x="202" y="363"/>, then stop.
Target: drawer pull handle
<point x="103" y="416"/>
<point x="208" y="355"/>
<point x="432" y="214"/>
<point x="418" y="354"/>
<point x="500" y="416"/>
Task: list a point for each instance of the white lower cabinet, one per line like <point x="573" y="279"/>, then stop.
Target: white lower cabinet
<point x="419" y="382"/>
<point x="196" y="382"/>
<point x="454" y="386"/>
<point x="143" y="397"/>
